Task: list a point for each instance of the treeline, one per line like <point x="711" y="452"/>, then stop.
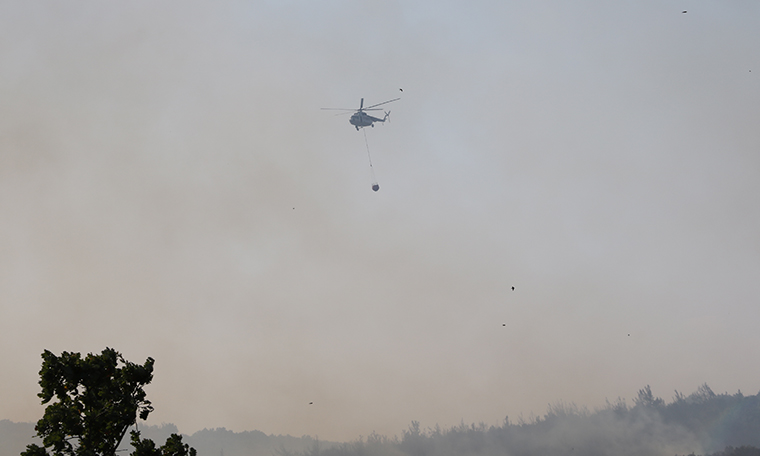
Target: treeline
<point x="701" y="423"/>
<point x="741" y="451"/>
<point x="223" y="442"/>
<point x="14" y="437"/>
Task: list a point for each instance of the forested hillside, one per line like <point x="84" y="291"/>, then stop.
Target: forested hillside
<point x="700" y="423"/>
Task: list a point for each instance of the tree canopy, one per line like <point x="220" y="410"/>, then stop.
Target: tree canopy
<point x="92" y="403"/>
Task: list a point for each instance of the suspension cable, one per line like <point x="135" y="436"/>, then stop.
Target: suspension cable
<point x="375" y="185"/>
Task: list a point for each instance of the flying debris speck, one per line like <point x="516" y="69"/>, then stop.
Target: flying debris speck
<point x="311" y="403"/>
<point x="504" y="324"/>
<point x="683" y="12"/>
<point x="375" y="187"/>
<point x="400" y="89"/>
<point x="513" y="288"/>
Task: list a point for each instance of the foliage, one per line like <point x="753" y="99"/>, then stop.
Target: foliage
<point x="94" y="401"/>
<point x="172" y="447"/>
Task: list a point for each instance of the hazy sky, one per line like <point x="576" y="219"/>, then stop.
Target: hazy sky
<point x="170" y="188"/>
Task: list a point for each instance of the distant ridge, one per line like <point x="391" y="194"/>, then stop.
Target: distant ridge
<point x="702" y="423"/>
<point x="14" y="437"/>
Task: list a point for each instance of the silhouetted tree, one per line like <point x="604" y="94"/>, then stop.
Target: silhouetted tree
<point x="172" y="447"/>
<point x="96" y="400"/>
<point x="647" y="399"/>
<point x="414" y="441"/>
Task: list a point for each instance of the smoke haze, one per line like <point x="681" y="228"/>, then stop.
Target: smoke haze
<point x="700" y="423"/>
<point x="170" y="188"/>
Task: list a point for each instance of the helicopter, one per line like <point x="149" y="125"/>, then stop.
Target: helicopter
<point x="360" y="118"/>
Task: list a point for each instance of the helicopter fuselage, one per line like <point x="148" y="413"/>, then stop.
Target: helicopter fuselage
<point x="362" y="119"/>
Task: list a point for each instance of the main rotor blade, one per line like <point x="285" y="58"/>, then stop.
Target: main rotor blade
<point x="338" y="109"/>
<point x="384" y="102"/>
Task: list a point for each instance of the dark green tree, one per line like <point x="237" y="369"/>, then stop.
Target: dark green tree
<point x="94" y="402"/>
<point x="172" y="447"/>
